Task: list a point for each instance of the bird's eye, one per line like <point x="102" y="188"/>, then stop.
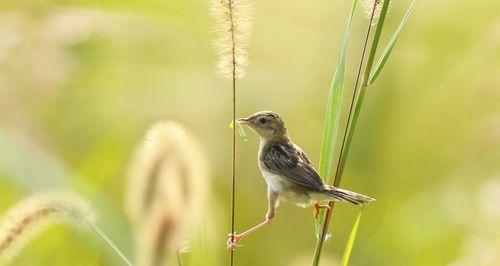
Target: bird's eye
<point x="262" y="120"/>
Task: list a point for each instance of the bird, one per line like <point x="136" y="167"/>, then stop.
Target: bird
<point x="288" y="173"/>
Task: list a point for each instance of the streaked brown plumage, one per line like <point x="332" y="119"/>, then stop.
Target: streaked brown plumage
<point x="288" y="172"/>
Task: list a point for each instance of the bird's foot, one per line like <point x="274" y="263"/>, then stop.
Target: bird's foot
<point x="233" y="241"/>
<point x="317" y="207"/>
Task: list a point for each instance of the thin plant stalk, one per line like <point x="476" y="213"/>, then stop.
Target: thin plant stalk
<point x="390" y="46"/>
<point x="110" y="243"/>
<point x="233" y="18"/>
<point x="233" y="155"/>
<point x="233" y="172"/>
<point x="351" y="122"/>
<point x="364" y="85"/>
<point x="339" y="169"/>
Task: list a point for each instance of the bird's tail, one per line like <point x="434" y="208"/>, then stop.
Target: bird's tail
<point x="339" y="194"/>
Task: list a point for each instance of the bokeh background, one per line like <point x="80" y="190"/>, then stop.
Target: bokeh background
<point x="82" y="80"/>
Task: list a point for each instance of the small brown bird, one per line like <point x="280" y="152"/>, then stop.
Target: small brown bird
<point x="288" y="172"/>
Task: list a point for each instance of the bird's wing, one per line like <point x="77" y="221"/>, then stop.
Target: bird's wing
<point x="291" y="162"/>
<point x="303" y="155"/>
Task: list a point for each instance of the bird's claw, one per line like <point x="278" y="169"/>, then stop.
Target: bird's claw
<point x="317" y="207"/>
<point x="233" y="241"/>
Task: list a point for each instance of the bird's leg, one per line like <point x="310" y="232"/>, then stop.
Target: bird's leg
<point x="318" y="206"/>
<point x="234" y="238"/>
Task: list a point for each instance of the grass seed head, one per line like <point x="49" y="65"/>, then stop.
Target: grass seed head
<point x="32" y="215"/>
<point x="233" y="30"/>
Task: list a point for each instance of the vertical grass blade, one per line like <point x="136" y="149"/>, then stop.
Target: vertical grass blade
<point x="361" y="94"/>
<point x="333" y="114"/>
<point x="333" y="107"/>
<point x="388" y="49"/>
<point x="351" y="240"/>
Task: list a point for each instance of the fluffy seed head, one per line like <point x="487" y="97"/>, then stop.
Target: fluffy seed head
<point x="166" y="192"/>
<point x="32" y="215"/>
<point x="233" y="29"/>
<point x="368" y="9"/>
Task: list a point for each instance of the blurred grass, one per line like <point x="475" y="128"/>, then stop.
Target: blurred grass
<point x="427" y="137"/>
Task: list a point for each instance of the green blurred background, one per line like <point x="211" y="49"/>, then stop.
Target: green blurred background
<point x="82" y="80"/>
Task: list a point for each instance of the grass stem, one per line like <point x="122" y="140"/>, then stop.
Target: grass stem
<point x="110" y="243"/>
<point x="233" y="155"/>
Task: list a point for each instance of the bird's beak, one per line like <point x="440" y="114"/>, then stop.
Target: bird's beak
<point x="244" y="121"/>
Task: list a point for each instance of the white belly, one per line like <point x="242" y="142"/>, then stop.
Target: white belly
<point x="282" y="186"/>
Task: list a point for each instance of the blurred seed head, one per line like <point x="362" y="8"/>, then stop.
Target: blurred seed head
<point x="233" y="29"/>
<point x="489" y="198"/>
<point x="168" y="167"/>
<point x="160" y="234"/>
<point x="32" y="215"/>
<point x="167" y="190"/>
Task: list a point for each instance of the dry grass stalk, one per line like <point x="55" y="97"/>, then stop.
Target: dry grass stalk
<point x="233" y="19"/>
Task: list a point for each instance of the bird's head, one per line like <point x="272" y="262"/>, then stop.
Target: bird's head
<point x="267" y="124"/>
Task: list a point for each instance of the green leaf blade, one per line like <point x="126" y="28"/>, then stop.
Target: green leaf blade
<point x="351" y="240"/>
<point x="332" y="119"/>
<point x="390" y="46"/>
